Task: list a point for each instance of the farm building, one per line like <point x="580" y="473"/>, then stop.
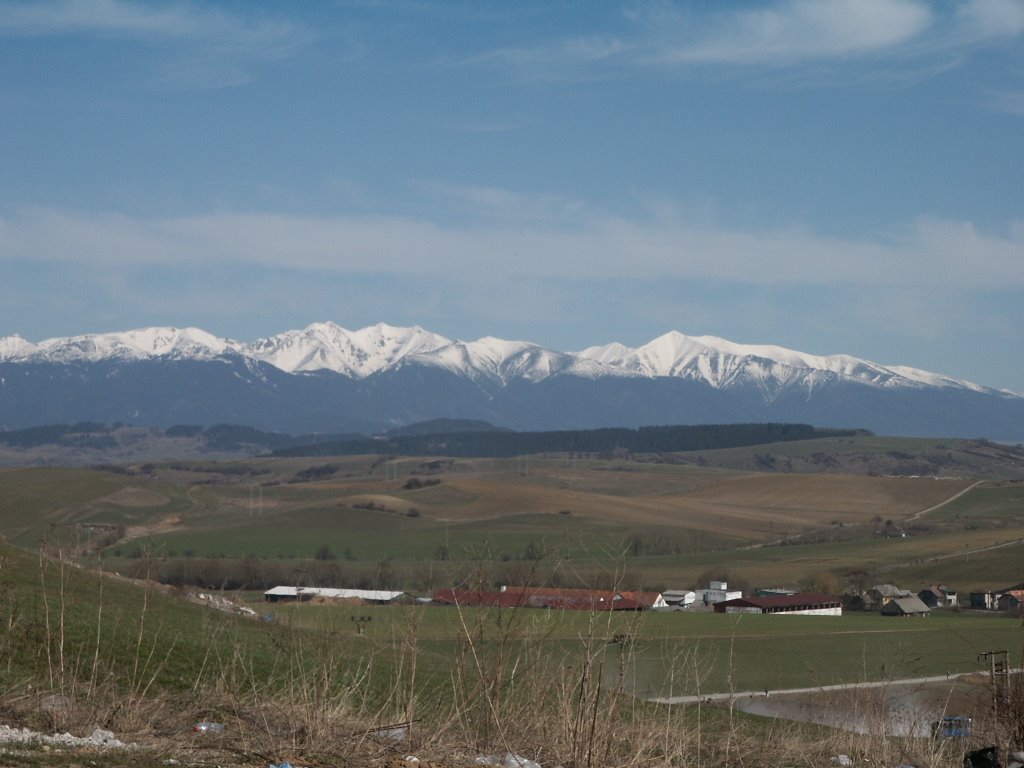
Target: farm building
<point x="938" y="596"/>
<point x="649" y="600"/>
<point x="881" y="594"/>
<point x="773" y="592"/>
<point x="985" y="601"/>
<point x="717" y="592"/>
<point x="543" y="597"/>
<point x="305" y="594"/>
<point x="1011" y="600"/>
<point x="677" y="599"/>
<point x="800" y="604"/>
<point x="906" y="606"/>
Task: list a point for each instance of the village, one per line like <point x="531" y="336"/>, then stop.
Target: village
<point x="886" y="599"/>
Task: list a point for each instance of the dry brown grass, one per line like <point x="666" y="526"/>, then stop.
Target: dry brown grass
<point x="734" y="504"/>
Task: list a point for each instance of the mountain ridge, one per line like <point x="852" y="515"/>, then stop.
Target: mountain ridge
<point x="326" y="346"/>
<point x="325" y="378"/>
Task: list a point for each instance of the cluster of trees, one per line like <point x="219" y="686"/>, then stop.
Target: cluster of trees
<point x="84" y="433"/>
<point x="251" y="573"/>
<point x="535" y="566"/>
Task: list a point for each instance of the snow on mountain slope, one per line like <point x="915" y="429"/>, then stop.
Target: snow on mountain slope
<point x="500" y="360"/>
<point x="16" y="347"/>
<point x="139" y="344"/>
<point x="326" y="346"/>
<point x="723" y="364"/>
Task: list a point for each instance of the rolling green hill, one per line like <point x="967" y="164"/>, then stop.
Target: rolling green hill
<point x="661" y="519"/>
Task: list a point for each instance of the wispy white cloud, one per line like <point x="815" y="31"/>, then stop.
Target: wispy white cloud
<point x="216" y="46"/>
<point x="929" y="252"/>
<point x="1009" y="103"/>
<point x="575" y="50"/>
<point x="911" y="39"/>
<point x="792" y="31"/>
<point x="494" y="204"/>
<point x="574" y="58"/>
<point x="985" y="19"/>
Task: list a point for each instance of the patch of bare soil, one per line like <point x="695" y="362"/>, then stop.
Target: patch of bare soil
<point x="132" y="496"/>
<point x="153" y="528"/>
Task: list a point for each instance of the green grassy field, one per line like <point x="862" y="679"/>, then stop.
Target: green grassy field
<point x="699" y="652"/>
<point x="310" y="683"/>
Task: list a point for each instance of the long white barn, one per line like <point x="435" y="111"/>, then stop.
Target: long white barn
<point x="801" y="604"/>
<point x="278" y="594"/>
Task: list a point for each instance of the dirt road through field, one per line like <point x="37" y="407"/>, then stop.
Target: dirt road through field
<point x="941" y="504"/>
<point x="735" y="695"/>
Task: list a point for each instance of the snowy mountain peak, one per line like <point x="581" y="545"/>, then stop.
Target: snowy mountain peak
<point x="326" y="346"/>
<point x="15" y="346"/>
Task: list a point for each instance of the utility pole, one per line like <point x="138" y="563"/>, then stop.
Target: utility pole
<point x="999" y="671"/>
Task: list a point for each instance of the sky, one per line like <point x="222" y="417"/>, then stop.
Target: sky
<point x="833" y="176"/>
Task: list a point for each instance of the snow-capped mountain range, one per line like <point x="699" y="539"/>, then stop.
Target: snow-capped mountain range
<point x="325" y="375"/>
<point x="358" y="354"/>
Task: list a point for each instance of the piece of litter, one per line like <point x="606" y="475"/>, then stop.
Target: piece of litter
<point x="395" y="733"/>
<point x="508" y="761"/>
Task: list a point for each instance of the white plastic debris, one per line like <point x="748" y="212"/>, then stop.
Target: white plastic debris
<point x="844" y="761"/>
<point x="395" y="733"/>
<point x="411" y="759"/>
<point x="509" y="760"/>
<point x="208" y="727"/>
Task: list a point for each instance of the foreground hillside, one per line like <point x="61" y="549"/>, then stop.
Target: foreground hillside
<point x="310" y="685"/>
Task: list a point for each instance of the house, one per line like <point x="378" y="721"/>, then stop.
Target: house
<point x="1010" y="600"/>
<point x="716" y="592"/>
<point x="983" y="601"/>
<point x="906" y="606"/>
<point x="799" y="604"/>
<point x="881" y="594"/>
<point x="305" y="594"/>
<point x="938" y="596"/>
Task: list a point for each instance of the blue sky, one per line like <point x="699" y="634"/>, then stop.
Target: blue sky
<point x="828" y="175"/>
